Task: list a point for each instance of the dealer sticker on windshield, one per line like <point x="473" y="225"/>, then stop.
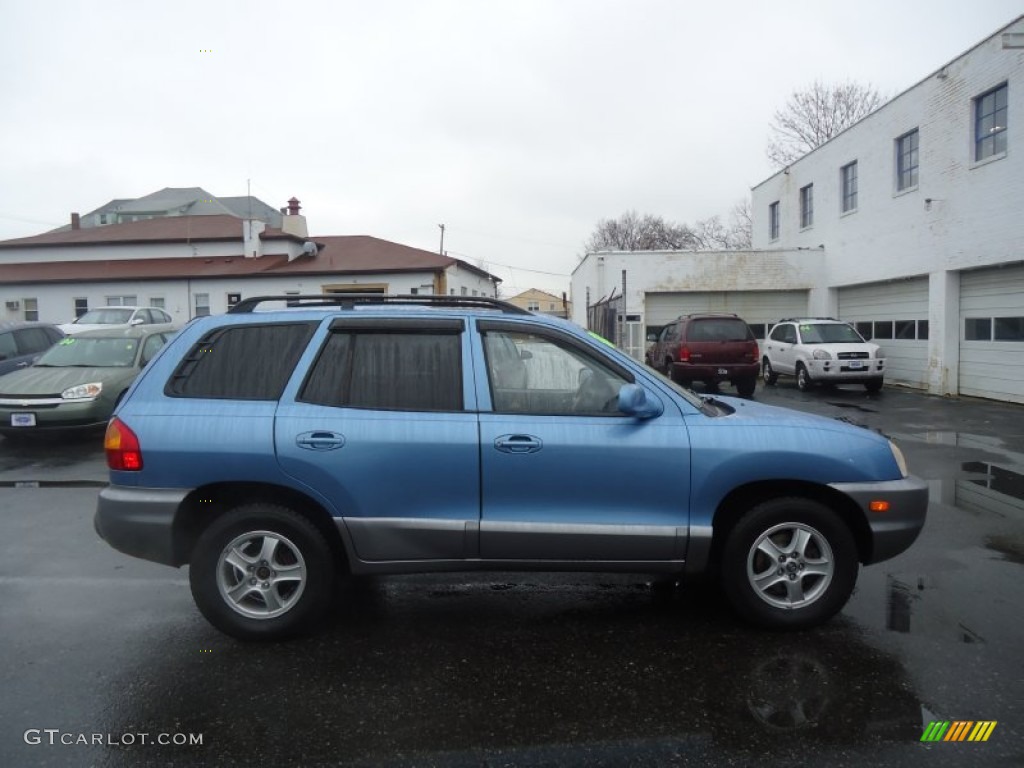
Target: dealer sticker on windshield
<point x="23" y="419"/>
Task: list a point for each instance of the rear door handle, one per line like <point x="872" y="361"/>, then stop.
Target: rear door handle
<point x="320" y="441"/>
<point x="518" y="443"/>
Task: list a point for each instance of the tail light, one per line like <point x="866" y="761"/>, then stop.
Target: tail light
<point x="123" y="450"/>
<point x="753" y="352"/>
<point x="684" y="354"/>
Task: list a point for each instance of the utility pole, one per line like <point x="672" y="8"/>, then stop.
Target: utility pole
<point x="441" y="251"/>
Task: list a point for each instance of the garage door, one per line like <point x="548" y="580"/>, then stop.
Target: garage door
<point x="895" y="316"/>
<point x="758" y="308"/>
<point x="992" y="333"/>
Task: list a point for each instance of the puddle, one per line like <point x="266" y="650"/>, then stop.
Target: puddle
<point x="855" y="406"/>
<point x="53" y="483"/>
<point x="910" y="609"/>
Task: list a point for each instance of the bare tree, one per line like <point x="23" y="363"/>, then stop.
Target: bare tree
<point x="742" y="225"/>
<point x="633" y="232"/>
<point x="816" y="114"/>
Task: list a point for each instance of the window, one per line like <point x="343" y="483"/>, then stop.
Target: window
<point x="31" y="308"/>
<point x="533" y="306"/>
<point x="122" y="301"/>
<point x="864" y="329"/>
<point x="990" y="119"/>
<point x="978" y="329"/>
<point x="806" y="206"/>
<point x="906" y="161"/>
<point x="883" y="329"/>
<point x="103" y="218"/>
<point x="81" y="307"/>
<point x="389" y="369"/>
<point x="157" y="301"/>
<point x="1009" y="329"/>
<point x="905" y="329"/>
<point x="785" y="334"/>
<point x="31" y="341"/>
<point x="414" y="291"/>
<point x="251" y="362"/>
<point x="533" y="374"/>
<point x="773" y="221"/>
<point x="848" y="186"/>
<point x="465" y="291"/>
<point x="291" y="302"/>
<point x="233" y="298"/>
<point x="202" y="304"/>
<point x="758" y="329"/>
<point x="151" y="346"/>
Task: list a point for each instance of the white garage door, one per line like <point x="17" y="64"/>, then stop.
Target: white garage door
<point x="895" y="316"/>
<point x="992" y="333"/>
<point x="758" y="308"/>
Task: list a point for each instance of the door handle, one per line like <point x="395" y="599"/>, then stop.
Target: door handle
<point x="320" y="441"/>
<point x="518" y="443"/>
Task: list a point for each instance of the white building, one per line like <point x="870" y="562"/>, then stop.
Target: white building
<point x="195" y="265"/>
<point x="909" y="224"/>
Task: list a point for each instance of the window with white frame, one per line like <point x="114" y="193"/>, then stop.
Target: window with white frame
<point x="31" y="309"/>
<point x="773" y="221"/>
<point x="806" y="206"/>
<point x="201" y="303"/>
<point x="990" y="119"/>
<point x="81" y="306"/>
<point x="848" y="186"/>
<point x="122" y="301"/>
<point x="533" y="306"/>
<point x="157" y="301"/>
<point x="907" y="160"/>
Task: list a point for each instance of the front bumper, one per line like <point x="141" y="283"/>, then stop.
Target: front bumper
<point x="894" y="530"/>
<point x="140" y="521"/>
<point x="72" y="414"/>
<point x="839" y="371"/>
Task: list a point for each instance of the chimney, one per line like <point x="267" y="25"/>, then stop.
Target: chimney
<point x="76" y="221"/>
<point x="294" y="223"/>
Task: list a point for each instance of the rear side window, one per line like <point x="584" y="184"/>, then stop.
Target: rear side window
<point x="388" y="370"/>
<point x="32" y="340"/>
<point x="242" y="362"/>
<point x="725" y="329"/>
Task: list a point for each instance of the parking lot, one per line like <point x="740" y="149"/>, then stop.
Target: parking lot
<point x="527" y="669"/>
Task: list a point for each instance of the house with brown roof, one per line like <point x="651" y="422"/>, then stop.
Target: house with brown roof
<point x="194" y="265"/>
<point x="536" y="300"/>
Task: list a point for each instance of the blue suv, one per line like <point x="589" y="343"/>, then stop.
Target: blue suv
<point x="296" y="440"/>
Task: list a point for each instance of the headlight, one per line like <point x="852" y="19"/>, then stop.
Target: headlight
<point x="821" y="354"/>
<point x="898" y="455"/>
<point x="83" y="391"/>
<point x="879" y="354"/>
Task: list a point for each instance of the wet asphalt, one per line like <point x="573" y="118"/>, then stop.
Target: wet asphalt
<point x="528" y="669"/>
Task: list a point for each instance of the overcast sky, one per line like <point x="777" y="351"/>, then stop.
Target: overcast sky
<point x="517" y="124"/>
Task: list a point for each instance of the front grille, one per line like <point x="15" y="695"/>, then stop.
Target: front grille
<point x="853" y="355"/>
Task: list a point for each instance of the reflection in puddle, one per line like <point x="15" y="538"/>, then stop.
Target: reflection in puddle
<point x="904" y="614"/>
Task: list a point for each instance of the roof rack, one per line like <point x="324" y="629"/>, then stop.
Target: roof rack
<point x="350" y="300"/>
<point x="798" y="319"/>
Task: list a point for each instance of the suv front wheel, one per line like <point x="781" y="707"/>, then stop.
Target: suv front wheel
<point x="788" y="563"/>
<point x="803" y="379"/>
<point x="262" y="572"/>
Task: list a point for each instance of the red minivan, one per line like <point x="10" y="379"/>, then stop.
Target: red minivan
<point x="709" y="348"/>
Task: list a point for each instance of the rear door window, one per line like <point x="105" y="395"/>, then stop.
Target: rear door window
<point x="389" y="369"/>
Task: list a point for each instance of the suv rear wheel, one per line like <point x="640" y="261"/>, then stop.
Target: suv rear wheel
<point x="262" y="572"/>
<point x="789" y="562"/>
<point x="746" y="387"/>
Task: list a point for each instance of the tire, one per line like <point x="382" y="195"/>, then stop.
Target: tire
<point x="803" y="379"/>
<point x="873" y="386"/>
<point x="789" y="563"/>
<point x="290" y="580"/>
<point x="768" y="373"/>
<point x="672" y="373"/>
<point x="746" y="387"/>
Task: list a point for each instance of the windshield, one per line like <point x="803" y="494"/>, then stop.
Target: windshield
<point x="106" y="316"/>
<point x="829" y="333"/>
<point x="90" y="353"/>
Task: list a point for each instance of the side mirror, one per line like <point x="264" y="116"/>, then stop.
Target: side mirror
<point x="635" y="401"/>
<point x="137" y="321"/>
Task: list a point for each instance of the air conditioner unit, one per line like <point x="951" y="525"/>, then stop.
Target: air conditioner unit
<point x="13" y="305"/>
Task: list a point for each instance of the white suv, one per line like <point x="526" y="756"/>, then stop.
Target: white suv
<point x="821" y="350"/>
